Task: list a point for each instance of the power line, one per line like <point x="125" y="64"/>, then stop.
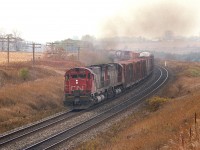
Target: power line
<point x="66" y="43"/>
<point x="8" y="45"/>
<point x="34" y="46"/>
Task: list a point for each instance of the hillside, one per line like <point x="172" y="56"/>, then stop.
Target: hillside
<point x="29" y="93"/>
<point x="166" y="121"/>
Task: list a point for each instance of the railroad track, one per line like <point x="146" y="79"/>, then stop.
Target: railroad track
<point x="100" y="118"/>
<point x="28" y="131"/>
<point x="15" y="135"/>
<point x="21" y="133"/>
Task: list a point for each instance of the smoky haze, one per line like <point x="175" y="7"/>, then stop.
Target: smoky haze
<point x="152" y="21"/>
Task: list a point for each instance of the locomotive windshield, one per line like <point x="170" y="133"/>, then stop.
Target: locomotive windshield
<point x="75" y="76"/>
<point x="78" y="73"/>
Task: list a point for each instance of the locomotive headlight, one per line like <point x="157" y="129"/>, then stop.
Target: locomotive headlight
<point x="76" y="81"/>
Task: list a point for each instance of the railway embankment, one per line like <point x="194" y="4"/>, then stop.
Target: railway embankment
<point x="169" y="120"/>
<point x="29" y="92"/>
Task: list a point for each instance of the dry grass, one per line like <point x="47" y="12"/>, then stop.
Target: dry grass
<point x="19" y="102"/>
<point x="166" y="128"/>
<point x="12" y="75"/>
<point x="18" y="56"/>
<point x="156" y="129"/>
<point x="39" y="95"/>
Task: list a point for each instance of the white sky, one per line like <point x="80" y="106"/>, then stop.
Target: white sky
<point x="50" y="20"/>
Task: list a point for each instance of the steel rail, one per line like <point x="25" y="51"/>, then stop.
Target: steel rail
<point x="57" y="138"/>
<point x="6" y="139"/>
<point x="16" y="135"/>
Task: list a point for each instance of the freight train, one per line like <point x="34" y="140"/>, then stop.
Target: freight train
<point x="86" y="86"/>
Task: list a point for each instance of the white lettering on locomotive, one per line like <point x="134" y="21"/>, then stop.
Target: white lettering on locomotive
<point x="77" y="88"/>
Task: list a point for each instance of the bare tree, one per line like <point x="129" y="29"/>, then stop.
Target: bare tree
<point x="2" y="35"/>
<point x="169" y="35"/>
<point x="17" y="40"/>
<point x="88" y="38"/>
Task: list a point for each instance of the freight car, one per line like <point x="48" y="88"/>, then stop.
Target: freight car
<point x="85" y="86"/>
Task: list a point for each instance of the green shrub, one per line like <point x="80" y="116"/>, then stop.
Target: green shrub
<point x="155" y="102"/>
<point x="192" y="72"/>
<point x="24" y="73"/>
<point x="195" y="72"/>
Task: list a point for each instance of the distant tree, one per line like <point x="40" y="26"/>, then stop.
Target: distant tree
<point x="2" y="35"/>
<point x="88" y="41"/>
<point x="170" y="56"/>
<point x="2" y="42"/>
<point x="169" y="35"/>
<point x="17" y="40"/>
<point x="88" y="38"/>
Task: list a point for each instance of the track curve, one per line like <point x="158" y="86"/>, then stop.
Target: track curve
<point x="161" y="76"/>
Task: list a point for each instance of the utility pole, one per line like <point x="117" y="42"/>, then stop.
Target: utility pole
<point x="9" y="40"/>
<point x="8" y="49"/>
<point x="34" y="45"/>
<point x="66" y="44"/>
<point x="78" y="52"/>
<point x="51" y="45"/>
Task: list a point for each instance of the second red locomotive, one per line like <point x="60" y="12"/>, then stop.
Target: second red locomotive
<point x="85" y="86"/>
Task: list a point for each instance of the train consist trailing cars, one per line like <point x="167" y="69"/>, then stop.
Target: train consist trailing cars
<point x="85" y="86"/>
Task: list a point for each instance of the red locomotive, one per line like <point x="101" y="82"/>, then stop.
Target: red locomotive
<point x="85" y="86"/>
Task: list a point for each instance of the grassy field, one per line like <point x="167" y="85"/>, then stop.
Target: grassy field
<point x="38" y="94"/>
<point x="163" y="122"/>
<point x="18" y="56"/>
<point x="31" y="92"/>
<point x="170" y="126"/>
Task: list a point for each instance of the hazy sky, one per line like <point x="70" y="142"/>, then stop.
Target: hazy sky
<point x="50" y="20"/>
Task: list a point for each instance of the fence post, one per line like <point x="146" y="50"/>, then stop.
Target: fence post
<point x="196" y="127"/>
<point x="190" y="134"/>
<point x="182" y="140"/>
<point x="195" y="118"/>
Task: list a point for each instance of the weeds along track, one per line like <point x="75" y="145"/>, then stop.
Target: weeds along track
<point x="24" y="137"/>
<point x="99" y="117"/>
<point x="21" y="133"/>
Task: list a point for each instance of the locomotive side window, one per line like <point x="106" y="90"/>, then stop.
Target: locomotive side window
<point x="67" y="77"/>
<point x="89" y="77"/>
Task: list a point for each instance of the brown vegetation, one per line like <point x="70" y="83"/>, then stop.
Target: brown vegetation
<point x="18" y="103"/>
<point x="18" y="56"/>
<point x="32" y="94"/>
<point x="10" y="74"/>
<point x="29" y="92"/>
<point x="165" y="122"/>
<point x="170" y="127"/>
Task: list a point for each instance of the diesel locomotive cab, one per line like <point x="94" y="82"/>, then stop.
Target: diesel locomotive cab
<point x="78" y="86"/>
